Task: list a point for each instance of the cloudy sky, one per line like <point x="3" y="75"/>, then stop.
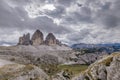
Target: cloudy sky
<point x="72" y="21"/>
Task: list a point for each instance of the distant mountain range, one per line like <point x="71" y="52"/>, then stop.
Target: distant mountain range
<point x="83" y="45"/>
<point x="108" y="47"/>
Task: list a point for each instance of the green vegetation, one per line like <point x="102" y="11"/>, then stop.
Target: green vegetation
<point x="12" y="59"/>
<point x="50" y="69"/>
<point x="68" y="71"/>
<point x="88" y="50"/>
<point x="29" y="67"/>
<point x="107" y="61"/>
<point x="75" y="68"/>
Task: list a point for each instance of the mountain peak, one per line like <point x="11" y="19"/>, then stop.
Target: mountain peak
<point x="25" y="39"/>
<point x="50" y="39"/>
<point x="38" y="39"/>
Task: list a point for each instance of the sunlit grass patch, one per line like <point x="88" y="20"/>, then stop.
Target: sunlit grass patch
<point x="74" y="68"/>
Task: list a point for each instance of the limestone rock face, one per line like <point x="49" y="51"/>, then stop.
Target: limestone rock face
<point x="51" y="39"/>
<point x="37" y="38"/>
<point x="25" y="39"/>
<point x="107" y="68"/>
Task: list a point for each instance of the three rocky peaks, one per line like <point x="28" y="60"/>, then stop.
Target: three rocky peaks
<point x="38" y="39"/>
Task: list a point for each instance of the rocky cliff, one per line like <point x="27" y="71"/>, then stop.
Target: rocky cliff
<point x="51" y="40"/>
<point x="107" y="68"/>
<point x="25" y="39"/>
<point x="38" y="39"/>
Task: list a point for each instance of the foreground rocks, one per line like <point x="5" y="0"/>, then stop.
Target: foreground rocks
<point x="22" y="72"/>
<point x="107" y="68"/>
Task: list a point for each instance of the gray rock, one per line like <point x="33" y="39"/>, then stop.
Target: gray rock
<point x="22" y="72"/>
<point x="25" y="39"/>
<point x="51" y="40"/>
<point x="107" y="68"/>
<point x="37" y="38"/>
<point x="114" y="69"/>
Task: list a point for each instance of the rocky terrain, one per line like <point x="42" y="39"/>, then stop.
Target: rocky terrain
<point x="15" y="71"/>
<point x="36" y="58"/>
<point x="33" y="63"/>
<point x="107" y="68"/>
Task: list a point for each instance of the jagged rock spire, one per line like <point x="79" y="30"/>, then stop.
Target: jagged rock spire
<point x="25" y="39"/>
<point x="50" y="39"/>
<point x="37" y="38"/>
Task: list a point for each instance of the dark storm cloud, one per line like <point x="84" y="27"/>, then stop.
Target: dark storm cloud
<point x="84" y="15"/>
<point x="106" y="6"/>
<point x="65" y="2"/>
<point x="79" y="36"/>
<point x="12" y="18"/>
<point x="47" y="25"/>
<point x="110" y="21"/>
<point x="20" y="2"/>
<point x="104" y="13"/>
<point x="108" y="15"/>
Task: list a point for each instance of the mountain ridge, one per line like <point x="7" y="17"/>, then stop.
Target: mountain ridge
<point x="84" y="45"/>
<point x="38" y="39"/>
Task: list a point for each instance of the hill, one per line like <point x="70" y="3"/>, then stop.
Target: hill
<point x="107" y="68"/>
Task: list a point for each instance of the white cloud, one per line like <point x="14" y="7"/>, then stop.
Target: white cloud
<point x="57" y="21"/>
<point x="50" y="7"/>
<point x="36" y="9"/>
<point x="5" y="44"/>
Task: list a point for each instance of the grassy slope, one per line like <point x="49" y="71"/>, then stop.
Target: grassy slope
<point x="75" y="69"/>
